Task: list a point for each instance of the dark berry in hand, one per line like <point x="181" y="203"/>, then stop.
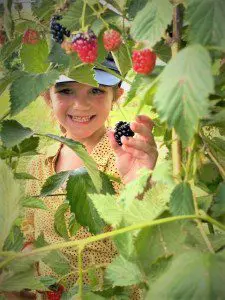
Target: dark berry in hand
<point x="122" y="129"/>
<point x="57" y="30"/>
<point x="86" y="46"/>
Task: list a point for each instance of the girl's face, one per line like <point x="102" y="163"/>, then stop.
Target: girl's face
<point x="81" y="109"/>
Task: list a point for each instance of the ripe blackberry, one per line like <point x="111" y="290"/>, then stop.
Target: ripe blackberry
<point x="122" y="129"/>
<point x="57" y="30"/>
<point x="86" y="46"/>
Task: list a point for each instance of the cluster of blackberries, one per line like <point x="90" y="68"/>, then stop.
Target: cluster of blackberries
<point x="57" y="30"/>
<point x="122" y="129"/>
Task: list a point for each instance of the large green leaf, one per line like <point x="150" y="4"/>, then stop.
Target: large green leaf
<point x="159" y="241"/>
<point x="6" y="81"/>
<point x="28" y="87"/>
<point x="60" y="221"/>
<point x="83" y="74"/>
<point x="9" y="201"/>
<point x="79" y="186"/>
<point x="186" y="82"/>
<point x="58" y="56"/>
<point x="151" y="22"/>
<point x="35" y="57"/>
<point x="192" y="275"/>
<point x="15" y="240"/>
<point x="12" y="133"/>
<point x="181" y="200"/>
<point x="89" y="163"/>
<point x="43" y="9"/>
<point x="122" y="272"/>
<point x="134" y="7"/>
<point x="207" y="22"/>
<point x="11" y="46"/>
<point x="218" y="207"/>
<point x="122" y="58"/>
<point x="33" y="202"/>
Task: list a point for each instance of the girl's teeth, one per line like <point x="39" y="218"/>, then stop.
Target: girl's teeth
<point x="81" y="119"/>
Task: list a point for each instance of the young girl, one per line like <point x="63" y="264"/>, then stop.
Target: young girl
<point x="82" y="111"/>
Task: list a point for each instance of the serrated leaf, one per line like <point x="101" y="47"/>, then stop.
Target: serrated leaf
<point x="6" y="80"/>
<point x="12" y="133"/>
<point x="107" y="208"/>
<point x="28" y="87"/>
<point x="88" y="161"/>
<point x="218" y="207"/>
<point x="162" y="51"/>
<point x="207" y="22"/>
<point x="74" y="226"/>
<point x="72" y="19"/>
<point x="102" y="53"/>
<point x="181" y="98"/>
<point x="159" y="241"/>
<point x="181" y="200"/>
<point x="125" y="244"/>
<point x="60" y="222"/>
<point x="122" y="272"/>
<point x="133" y="89"/>
<point x="79" y="186"/>
<point x="48" y="280"/>
<point x="83" y="74"/>
<point x="9" y="201"/>
<point x="54" y="259"/>
<point x="33" y="202"/>
<point x="43" y="9"/>
<point x="35" y="57"/>
<point x="122" y="59"/>
<point x="58" y="56"/>
<point x="15" y="244"/>
<point x="192" y="275"/>
<point x="11" y="46"/>
<point x="151" y="22"/>
<point x="54" y="182"/>
<point x="27" y="145"/>
<point x="134" y="7"/>
<point x="24" y="175"/>
<point x="163" y="173"/>
<point x="19" y="281"/>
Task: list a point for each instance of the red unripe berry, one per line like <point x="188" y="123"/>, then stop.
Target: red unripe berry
<point x="30" y="36"/>
<point x="55" y="295"/>
<point x="112" y="40"/>
<point x="86" y="46"/>
<point x="143" y="61"/>
<point x="2" y="37"/>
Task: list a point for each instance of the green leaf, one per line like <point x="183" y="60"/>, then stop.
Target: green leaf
<point x="33" y="202"/>
<point x="151" y="22"/>
<point x="48" y="280"/>
<point x="8" y="48"/>
<point x="107" y="208"/>
<point x="73" y="225"/>
<point x="122" y="59"/>
<point x="79" y="186"/>
<point x="207" y="22"/>
<point x="181" y="200"/>
<point x="60" y="222"/>
<point x="72" y="19"/>
<point x="43" y="9"/>
<point x="9" y="201"/>
<point x="17" y="282"/>
<point x="28" y="87"/>
<point x="218" y="207"/>
<point x="122" y="272"/>
<point x="83" y="74"/>
<point x="12" y="133"/>
<point x="181" y="98"/>
<point x="159" y="241"/>
<point x="102" y="53"/>
<point x="27" y="146"/>
<point x="134" y="7"/>
<point x="163" y="173"/>
<point x="54" y="182"/>
<point x="133" y="91"/>
<point x="88" y="161"/>
<point x="58" y="56"/>
<point x="153" y="205"/>
<point x="162" y="51"/>
<point x="15" y="244"/>
<point x="192" y="275"/>
<point x="54" y="259"/>
<point x="24" y="175"/>
<point x="6" y="80"/>
<point x="35" y="57"/>
<point x="125" y="245"/>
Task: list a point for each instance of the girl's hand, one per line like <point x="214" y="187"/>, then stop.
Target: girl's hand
<point x="136" y="152"/>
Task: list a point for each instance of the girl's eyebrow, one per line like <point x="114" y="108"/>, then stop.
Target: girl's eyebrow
<point x="62" y="85"/>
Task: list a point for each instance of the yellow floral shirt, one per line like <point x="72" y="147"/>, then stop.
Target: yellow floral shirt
<point x="39" y="221"/>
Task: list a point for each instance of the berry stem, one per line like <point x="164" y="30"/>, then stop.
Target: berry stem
<point x="80" y="271"/>
<point x="98" y="15"/>
<point x="83" y="16"/>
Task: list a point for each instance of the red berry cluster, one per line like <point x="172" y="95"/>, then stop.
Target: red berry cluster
<point x="112" y="40"/>
<point x="56" y="293"/>
<point x="31" y="36"/>
<point x="86" y="46"/>
<point x="143" y="61"/>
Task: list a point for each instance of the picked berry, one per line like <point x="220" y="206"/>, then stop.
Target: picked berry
<point x="86" y="46"/>
<point x="112" y="40"/>
<point x="57" y="30"/>
<point x="122" y="129"/>
<point x="30" y="36"/>
<point x="143" y="61"/>
<point x="55" y="292"/>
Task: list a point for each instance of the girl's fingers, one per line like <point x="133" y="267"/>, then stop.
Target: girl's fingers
<point x="141" y="155"/>
<point x="146" y="121"/>
<point x="139" y="145"/>
<point x="144" y="133"/>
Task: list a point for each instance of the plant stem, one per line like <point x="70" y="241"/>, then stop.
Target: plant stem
<point x="5" y="116"/>
<point x="176" y="145"/>
<point x="222" y="171"/>
<point x="83" y="15"/>
<point x="80" y="270"/>
<point x="98" y="15"/>
<point x="190" y="159"/>
<point x="91" y="239"/>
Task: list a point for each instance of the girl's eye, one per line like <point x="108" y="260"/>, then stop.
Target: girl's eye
<point x="65" y="91"/>
<point x="96" y="91"/>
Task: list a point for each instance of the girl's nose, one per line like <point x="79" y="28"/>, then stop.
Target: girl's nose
<point x="81" y="101"/>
